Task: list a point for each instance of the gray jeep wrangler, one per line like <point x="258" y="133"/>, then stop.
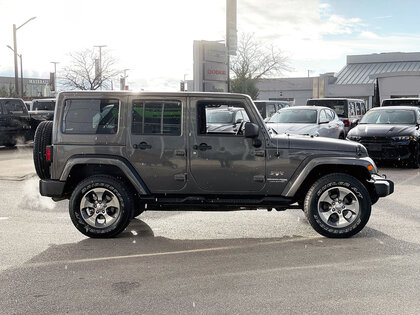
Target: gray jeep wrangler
<point x="117" y="154"/>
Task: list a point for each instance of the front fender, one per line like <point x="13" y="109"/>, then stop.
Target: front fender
<point x="312" y="162"/>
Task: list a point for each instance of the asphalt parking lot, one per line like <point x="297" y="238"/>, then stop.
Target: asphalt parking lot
<point x="200" y="262"/>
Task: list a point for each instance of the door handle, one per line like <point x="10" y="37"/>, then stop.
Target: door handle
<point x="142" y="146"/>
<point x="202" y="147"/>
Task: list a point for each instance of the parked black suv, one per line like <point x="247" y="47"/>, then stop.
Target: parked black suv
<point x="117" y="154"/>
<point x="15" y="122"/>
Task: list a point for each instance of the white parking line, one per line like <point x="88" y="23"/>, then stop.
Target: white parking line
<point x="198" y="250"/>
<point x="4" y="218"/>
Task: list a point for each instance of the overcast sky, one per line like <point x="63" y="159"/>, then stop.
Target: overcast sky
<point x="155" y="38"/>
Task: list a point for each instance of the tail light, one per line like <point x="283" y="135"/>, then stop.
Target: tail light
<point x="346" y="123"/>
<point x="48" y="153"/>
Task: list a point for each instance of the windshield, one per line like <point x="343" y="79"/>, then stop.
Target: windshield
<point x="297" y="116"/>
<point x="219" y="117"/>
<point x="405" y="117"/>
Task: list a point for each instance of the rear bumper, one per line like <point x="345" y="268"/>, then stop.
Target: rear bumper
<point x="51" y="188"/>
<point x="383" y="186"/>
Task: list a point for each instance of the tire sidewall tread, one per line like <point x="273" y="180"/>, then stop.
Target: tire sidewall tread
<point x="118" y="189"/>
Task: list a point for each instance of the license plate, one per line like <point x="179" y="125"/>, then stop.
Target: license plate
<point x="375" y="147"/>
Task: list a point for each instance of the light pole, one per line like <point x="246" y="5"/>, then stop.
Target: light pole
<point x="21" y="70"/>
<point x="122" y="79"/>
<point x="15" y="53"/>
<point x="100" y="64"/>
<point x="55" y="75"/>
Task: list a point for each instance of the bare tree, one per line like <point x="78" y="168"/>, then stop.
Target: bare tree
<point x="255" y="61"/>
<point x="85" y="73"/>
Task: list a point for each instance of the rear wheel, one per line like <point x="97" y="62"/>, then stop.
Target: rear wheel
<point x="337" y="206"/>
<point x="100" y="207"/>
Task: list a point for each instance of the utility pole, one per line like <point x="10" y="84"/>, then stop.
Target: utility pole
<point x="21" y="70"/>
<point x="16" y="55"/>
<point x="55" y="75"/>
<point x="100" y="64"/>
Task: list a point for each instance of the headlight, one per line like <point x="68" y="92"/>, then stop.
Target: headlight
<point x="354" y="138"/>
<point x="402" y="138"/>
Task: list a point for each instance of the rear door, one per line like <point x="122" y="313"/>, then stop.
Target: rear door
<point x="157" y="146"/>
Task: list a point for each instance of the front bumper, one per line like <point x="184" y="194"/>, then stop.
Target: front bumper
<point x="383" y="186"/>
<point x="51" y="188"/>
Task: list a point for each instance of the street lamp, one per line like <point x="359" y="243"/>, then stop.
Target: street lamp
<point x="15" y="53"/>
<point x="55" y="75"/>
<point x="21" y="70"/>
<point x="100" y="64"/>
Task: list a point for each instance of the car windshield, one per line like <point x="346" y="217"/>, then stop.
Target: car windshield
<point x="397" y="116"/>
<point x="219" y="117"/>
<point x="297" y="116"/>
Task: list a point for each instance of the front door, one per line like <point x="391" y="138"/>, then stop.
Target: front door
<point x="222" y="160"/>
<point x="157" y="146"/>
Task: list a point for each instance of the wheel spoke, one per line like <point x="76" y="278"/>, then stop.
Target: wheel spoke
<point x="342" y="221"/>
<point x="326" y="215"/>
<point x="99" y="207"/>
<point x="353" y="207"/>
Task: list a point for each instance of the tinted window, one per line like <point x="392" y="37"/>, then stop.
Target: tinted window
<point x="363" y="108"/>
<point x="351" y="109"/>
<point x="271" y="109"/>
<point x="389" y="117"/>
<point x="91" y="116"/>
<point x="298" y="116"/>
<point x="156" y="117"/>
<point x="339" y="106"/>
<point x="13" y="107"/>
<point x="358" y="110"/>
<point x="46" y="105"/>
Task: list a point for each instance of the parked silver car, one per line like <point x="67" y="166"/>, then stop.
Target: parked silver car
<point x="307" y="120"/>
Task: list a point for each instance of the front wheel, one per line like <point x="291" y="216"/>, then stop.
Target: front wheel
<point x="337" y="206"/>
<point x="100" y="207"/>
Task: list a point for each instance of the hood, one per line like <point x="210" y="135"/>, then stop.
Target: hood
<point x="297" y="129"/>
<point x="377" y="130"/>
<point x="319" y="144"/>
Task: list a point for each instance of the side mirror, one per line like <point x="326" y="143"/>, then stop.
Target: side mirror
<point x="355" y="122"/>
<point x="251" y="130"/>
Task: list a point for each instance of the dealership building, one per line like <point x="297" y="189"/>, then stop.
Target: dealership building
<point x="32" y="87"/>
<point x="371" y="77"/>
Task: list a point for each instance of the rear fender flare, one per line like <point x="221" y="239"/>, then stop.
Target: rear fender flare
<point x="128" y="170"/>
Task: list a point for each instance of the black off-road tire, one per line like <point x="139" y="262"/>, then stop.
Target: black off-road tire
<point x="120" y="191"/>
<point x="324" y="184"/>
<point x="42" y="139"/>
